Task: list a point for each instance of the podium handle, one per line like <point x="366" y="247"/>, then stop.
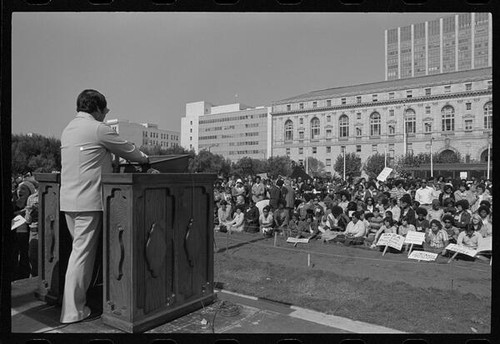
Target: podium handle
<point x="52" y="237"/>
<point x="186" y="238"/>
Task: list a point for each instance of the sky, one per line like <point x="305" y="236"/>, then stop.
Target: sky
<point x="149" y="65"/>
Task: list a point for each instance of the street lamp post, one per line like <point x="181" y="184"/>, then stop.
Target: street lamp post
<point x="432" y="163"/>
<point x="344" y="163"/>
<point x="489" y="157"/>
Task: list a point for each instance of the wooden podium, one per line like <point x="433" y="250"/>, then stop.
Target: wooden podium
<point x="158" y="247"/>
<point x="54" y="240"/>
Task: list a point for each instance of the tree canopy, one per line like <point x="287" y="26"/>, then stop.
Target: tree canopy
<point x="35" y="153"/>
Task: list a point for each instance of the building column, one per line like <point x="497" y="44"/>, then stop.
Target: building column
<point x="385" y="52"/>
<point x="472" y="38"/>
<point x="456" y="43"/>
<point x="440" y="45"/>
<point x="399" y="52"/>
<point x="412" y="51"/>
<point x="426" y="48"/>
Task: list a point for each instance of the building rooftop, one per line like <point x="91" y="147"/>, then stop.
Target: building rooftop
<point x="392" y="85"/>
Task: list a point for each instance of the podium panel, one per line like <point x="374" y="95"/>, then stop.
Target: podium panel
<point x="158" y="247"/>
<point x="54" y="243"/>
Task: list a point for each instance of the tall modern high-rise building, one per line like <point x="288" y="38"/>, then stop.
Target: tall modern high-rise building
<point x="449" y="44"/>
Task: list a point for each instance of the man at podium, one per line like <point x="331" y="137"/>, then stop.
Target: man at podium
<point x="86" y="147"/>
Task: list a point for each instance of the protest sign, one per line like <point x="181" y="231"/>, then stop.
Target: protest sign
<point x="384" y="174"/>
<point x="461" y="249"/>
<point x="384" y="239"/>
<point x="485" y="244"/>
<point x="422" y="255"/>
<point x="463" y="175"/>
<point x="413" y="237"/>
<point x="262" y="176"/>
<point x="17" y="222"/>
<point x="397" y="241"/>
<point x="297" y="240"/>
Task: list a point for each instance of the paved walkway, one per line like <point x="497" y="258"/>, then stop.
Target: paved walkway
<point x="253" y="316"/>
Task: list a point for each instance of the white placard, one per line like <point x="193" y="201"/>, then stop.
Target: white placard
<point x="463" y="175"/>
<point x="297" y="240"/>
<point x="384" y="239"/>
<point x="422" y="255"/>
<point x="461" y="249"/>
<point x="485" y="244"/>
<point x="397" y="241"/>
<point x="384" y="174"/>
<point x="262" y="176"/>
<point x="17" y="222"/>
<point x="413" y="237"/>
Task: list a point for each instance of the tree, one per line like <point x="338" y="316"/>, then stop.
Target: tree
<point x="35" y="153"/>
<point x="314" y="166"/>
<point x="374" y="165"/>
<point x="353" y="165"/>
<point x="279" y="166"/>
<point x="208" y="162"/>
<point x="248" y="166"/>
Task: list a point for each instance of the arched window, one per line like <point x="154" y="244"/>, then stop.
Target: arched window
<point x="288" y="130"/>
<point x="410" y="121"/>
<point x="314" y="128"/>
<point x="488" y="115"/>
<point x="448" y="118"/>
<point x="343" y="126"/>
<point x="375" y="124"/>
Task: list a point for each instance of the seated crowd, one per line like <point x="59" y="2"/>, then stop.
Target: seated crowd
<point x="447" y="211"/>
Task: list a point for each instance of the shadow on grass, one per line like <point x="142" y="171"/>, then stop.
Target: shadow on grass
<point x="223" y="249"/>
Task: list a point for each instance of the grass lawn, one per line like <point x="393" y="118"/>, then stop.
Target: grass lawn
<point x="359" y="283"/>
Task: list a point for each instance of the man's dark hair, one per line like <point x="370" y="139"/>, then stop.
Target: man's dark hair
<point x="90" y="101"/>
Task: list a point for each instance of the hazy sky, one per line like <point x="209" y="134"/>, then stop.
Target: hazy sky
<point x="149" y="65"/>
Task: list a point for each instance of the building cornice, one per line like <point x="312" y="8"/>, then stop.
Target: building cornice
<point x="400" y="101"/>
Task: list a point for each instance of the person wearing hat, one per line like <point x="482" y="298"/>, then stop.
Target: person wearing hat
<point x="86" y="147"/>
<point x="238" y="190"/>
<point x="424" y="195"/>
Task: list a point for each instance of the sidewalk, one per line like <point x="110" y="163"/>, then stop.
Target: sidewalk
<point x="253" y="315"/>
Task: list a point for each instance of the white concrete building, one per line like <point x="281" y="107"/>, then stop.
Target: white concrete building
<point x="144" y="134"/>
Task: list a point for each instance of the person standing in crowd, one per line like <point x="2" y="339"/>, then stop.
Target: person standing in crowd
<point x="289" y="197"/>
<point x="31" y="218"/>
<point x="86" y="147"/>
<point x="20" y="236"/>
<point x="258" y="190"/>
<point x="424" y="195"/>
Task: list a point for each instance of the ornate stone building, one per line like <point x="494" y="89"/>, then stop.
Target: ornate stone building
<point x="452" y="112"/>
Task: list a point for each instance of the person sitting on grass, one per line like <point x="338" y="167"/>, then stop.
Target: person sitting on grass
<point x="484" y="215"/>
<point x="463" y="216"/>
<point x="238" y="222"/>
<point x="376" y="221"/>
<point x="450" y="229"/>
<point x="344" y="200"/>
<point x="354" y="233"/>
<point x="338" y="220"/>
<point x="395" y="210"/>
<point x="252" y="217"/>
<point x="281" y="217"/>
<point x="266" y="222"/>
<point x="436" y="239"/>
<point x="388" y="226"/>
<point x="293" y="226"/>
<point x="421" y="223"/>
<point x="308" y="228"/>
<point x="224" y="215"/>
<point x="436" y="212"/>
<point x="324" y="221"/>
<point x="415" y="205"/>
<point x="469" y="237"/>
<point x="405" y="227"/>
<point x="406" y="209"/>
<point x="370" y="204"/>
